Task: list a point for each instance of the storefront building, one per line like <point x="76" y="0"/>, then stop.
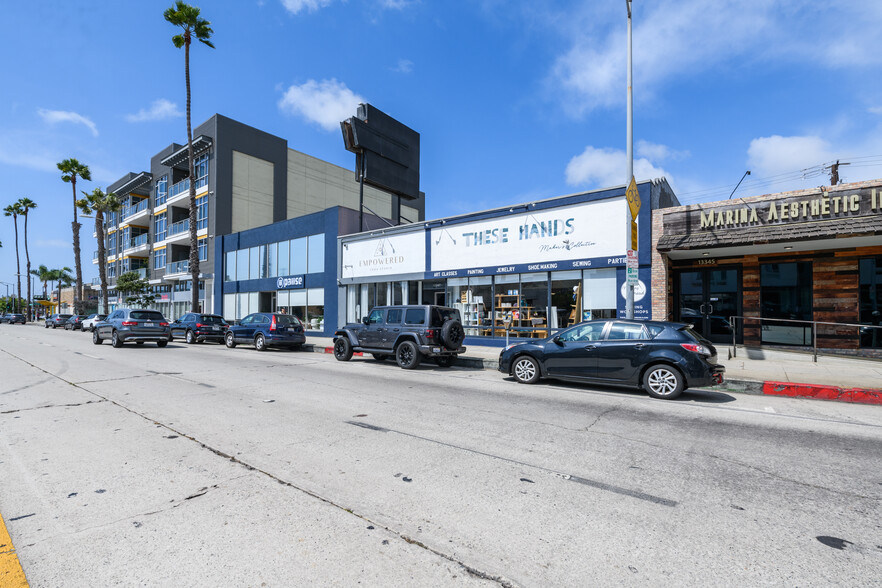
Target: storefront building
<point x="807" y="255"/>
<point x="524" y="270"/>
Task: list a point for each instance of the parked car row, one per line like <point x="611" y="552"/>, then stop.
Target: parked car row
<point x="12" y="318"/>
<point x="661" y="358"/>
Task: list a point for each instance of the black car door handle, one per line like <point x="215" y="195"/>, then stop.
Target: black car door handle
<point x="639" y="345"/>
<point x="590" y="346"/>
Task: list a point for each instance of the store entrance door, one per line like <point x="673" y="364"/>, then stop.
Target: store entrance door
<point x="706" y="298"/>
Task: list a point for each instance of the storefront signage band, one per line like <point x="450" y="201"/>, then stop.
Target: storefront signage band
<point x="521" y="268"/>
<point x="290" y="282"/>
<point x="818" y="208"/>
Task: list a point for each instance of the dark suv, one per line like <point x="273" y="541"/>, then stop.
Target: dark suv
<point x="194" y="327"/>
<point x="132" y="324"/>
<point x="265" y="330"/>
<point x="408" y="333"/>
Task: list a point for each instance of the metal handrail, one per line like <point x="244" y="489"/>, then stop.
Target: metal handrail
<point x="780" y="320"/>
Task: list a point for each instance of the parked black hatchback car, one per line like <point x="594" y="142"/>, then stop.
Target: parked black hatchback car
<point x="660" y="357"/>
<point x="195" y="327"/>
<point x="13" y="317"/>
<point x="408" y="333"/>
<point x="265" y="330"/>
<point x="132" y="324"/>
<point x="75" y="322"/>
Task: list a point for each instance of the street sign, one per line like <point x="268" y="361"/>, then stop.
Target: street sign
<point x="633" y="242"/>
<point x="633" y="198"/>
<point x="631" y="268"/>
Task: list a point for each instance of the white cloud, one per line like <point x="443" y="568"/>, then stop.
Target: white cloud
<point x="159" y="110"/>
<point x="295" y="6"/>
<point x="657" y="152"/>
<point x="684" y="39"/>
<point x="57" y="116"/>
<point x="325" y="103"/>
<point x="771" y="156"/>
<point x="875" y="110"/>
<point x="607" y="167"/>
<point x="404" y="66"/>
<point x="396" y="4"/>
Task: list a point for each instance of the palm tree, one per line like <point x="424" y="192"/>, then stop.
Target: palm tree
<point x="43" y="274"/>
<point x="99" y="203"/>
<point x="187" y="17"/>
<point x="27" y="204"/>
<point x="14" y="210"/>
<point x="71" y="169"/>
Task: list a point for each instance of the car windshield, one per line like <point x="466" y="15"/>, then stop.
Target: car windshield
<point x="147" y="315"/>
<point x="207" y="319"/>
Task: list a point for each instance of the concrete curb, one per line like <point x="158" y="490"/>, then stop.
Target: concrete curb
<point x="757" y="388"/>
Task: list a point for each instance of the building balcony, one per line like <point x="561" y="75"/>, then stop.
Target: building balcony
<point x="177" y="267"/>
<point x="95" y="258"/>
<point x="137" y="211"/>
<point x="141" y="271"/>
<point x="137" y="244"/>
<point x="181" y="190"/>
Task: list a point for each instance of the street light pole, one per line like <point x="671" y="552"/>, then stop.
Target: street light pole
<point x="629" y="297"/>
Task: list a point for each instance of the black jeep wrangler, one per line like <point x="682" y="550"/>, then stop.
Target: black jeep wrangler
<point x="407" y="332"/>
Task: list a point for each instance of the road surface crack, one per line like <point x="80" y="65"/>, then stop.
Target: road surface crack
<point x="53" y="406"/>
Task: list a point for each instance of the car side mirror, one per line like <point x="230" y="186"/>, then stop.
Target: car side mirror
<point x="366" y="320"/>
<point x="557" y="340"/>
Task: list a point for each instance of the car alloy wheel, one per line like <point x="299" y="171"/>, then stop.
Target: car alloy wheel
<point x="342" y="349"/>
<point x="190" y="337"/>
<point x="260" y="342"/>
<point x="662" y="381"/>
<point x="229" y="340"/>
<point x="526" y="370"/>
<point x="95" y="338"/>
<point x="115" y="340"/>
<point x="407" y="355"/>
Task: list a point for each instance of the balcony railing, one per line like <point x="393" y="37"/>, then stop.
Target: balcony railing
<point x="135" y="208"/>
<point x="179" y="227"/>
<point x="184" y="185"/>
<point x="139" y="241"/>
<point x="178" y="267"/>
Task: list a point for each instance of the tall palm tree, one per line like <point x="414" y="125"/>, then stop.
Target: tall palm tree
<point x="27" y="204"/>
<point x="14" y="210"/>
<point x="187" y="17"/>
<point x="100" y="202"/>
<point x="43" y="274"/>
<point x="70" y="170"/>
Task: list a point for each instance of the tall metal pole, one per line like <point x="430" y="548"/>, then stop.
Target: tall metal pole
<point x="629" y="298"/>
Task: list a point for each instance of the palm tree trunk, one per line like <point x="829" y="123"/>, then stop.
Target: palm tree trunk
<point x="194" y="245"/>
<point x="17" y="265"/>
<point x="102" y="259"/>
<point x="78" y="289"/>
<point x="28" y="271"/>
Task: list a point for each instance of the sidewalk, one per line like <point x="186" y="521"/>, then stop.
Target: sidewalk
<point x="752" y="371"/>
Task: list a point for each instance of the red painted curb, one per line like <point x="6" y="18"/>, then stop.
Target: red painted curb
<point x="331" y="350"/>
<point x="818" y="392"/>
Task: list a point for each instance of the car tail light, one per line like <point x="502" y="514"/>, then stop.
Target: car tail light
<point x="129" y="323"/>
<point x="430" y="333"/>
<point x="273" y="324"/>
<point x="696" y="348"/>
<point x="199" y="325"/>
<point x="163" y="324"/>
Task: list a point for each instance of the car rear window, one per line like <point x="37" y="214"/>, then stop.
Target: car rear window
<point x="442" y="315"/>
<point x="211" y="320"/>
<point x="147" y="315"/>
<point x="692" y="334"/>
<point x="283" y="321"/>
<point x="654" y="330"/>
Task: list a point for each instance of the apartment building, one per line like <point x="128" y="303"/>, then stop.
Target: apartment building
<point x="245" y="179"/>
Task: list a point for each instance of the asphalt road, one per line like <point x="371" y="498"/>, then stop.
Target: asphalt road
<point x="205" y="466"/>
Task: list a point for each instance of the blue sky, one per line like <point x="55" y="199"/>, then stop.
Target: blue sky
<point x="514" y="100"/>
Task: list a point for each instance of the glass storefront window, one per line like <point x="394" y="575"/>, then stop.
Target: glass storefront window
<point x="397" y="294"/>
<point x="505" y="302"/>
<point x="566" y="300"/>
<point x="599" y="291"/>
<point x="871" y="301"/>
<point x="786" y="293"/>
<point x="534" y="302"/>
<point x="284" y="254"/>
<point x="263" y="260"/>
<point x="315" y="308"/>
<point x="242" y="264"/>
<point x="272" y="253"/>
<point x="433" y="293"/>
<point x="298" y="256"/>
<point x="316" y="254"/>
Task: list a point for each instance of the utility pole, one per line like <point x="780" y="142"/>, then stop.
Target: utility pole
<point x="834" y="172"/>
<point x="629" y="297"/>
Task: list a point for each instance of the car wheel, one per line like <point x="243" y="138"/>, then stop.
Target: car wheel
<point x="115" y="340"/>
<point x="445" y="361"/>
<point x="190" y="337"/>
<point x="526" y="370"/>
<point x="452" y="334"/>
<point x="663" y="381"/>
<point x="228" y="339"/>
<point x="380" y="356"/>
<point x="54" y="326"/>
<point x="260" y="342"/>
<point x="407" y="355"/>
<point x="161" y="343"/>
<point x="45" y="325"/>
<point x="95" y="338"/>
<point x="342" y="349"/>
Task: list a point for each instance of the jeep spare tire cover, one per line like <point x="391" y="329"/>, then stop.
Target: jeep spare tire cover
<point x="452" y="334"/>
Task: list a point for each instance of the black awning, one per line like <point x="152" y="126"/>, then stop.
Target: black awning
<point x="200" y="144"/>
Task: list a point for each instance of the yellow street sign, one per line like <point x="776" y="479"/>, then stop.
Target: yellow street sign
<point x="633" y="234"/>
<point x="633" y="198"/>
